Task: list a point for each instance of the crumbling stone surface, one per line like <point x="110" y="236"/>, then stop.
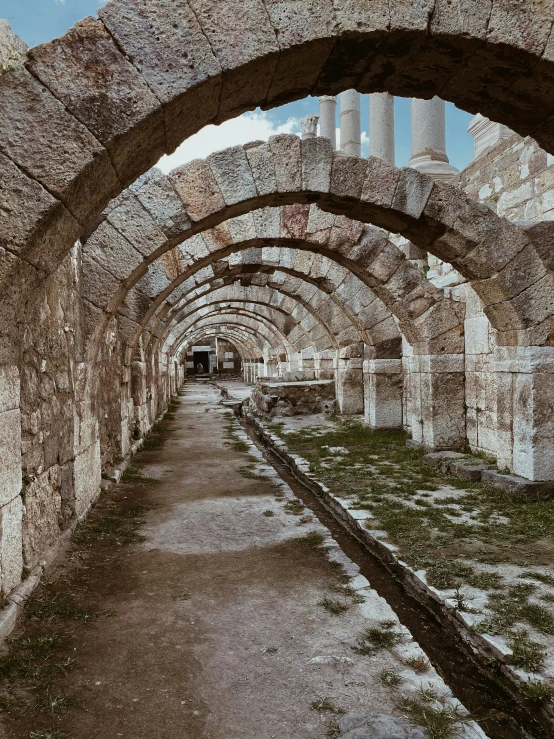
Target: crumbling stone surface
<point x="277" y="400"/>
<point x="378" y="726"/>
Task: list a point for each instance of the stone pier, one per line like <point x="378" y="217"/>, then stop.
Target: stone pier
<point x="381" y="126"/>
<point x="350" y="123"/>
<point x="328" y="118"/>
<point x="383" y="380"/>
<point x="429" y="139"/>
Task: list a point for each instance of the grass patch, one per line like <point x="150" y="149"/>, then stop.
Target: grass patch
<point x="376" y="638"/>
<point x="419" y="665"/>
<point x="333" y="730"/>
<point x="334" y="606"/>
<point x="390" y="678"/>
<point x="311" y="538"/>
<point x="537" y="691"/>
<point x="268" y="513"/>
<point x="294" y="507"/>
<point x="513" y="606"/>
<point x="527" y="654"/>
<point x="441" y="719"/>
<point x="543" y="577"/>
<point x="325" y="705"/>
<point x="238" y="446"/>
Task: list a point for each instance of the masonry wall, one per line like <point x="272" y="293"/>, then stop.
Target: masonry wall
<point x="62" y="422"/>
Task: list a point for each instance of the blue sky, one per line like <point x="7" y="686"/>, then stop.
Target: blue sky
<point x="37" y="21"/>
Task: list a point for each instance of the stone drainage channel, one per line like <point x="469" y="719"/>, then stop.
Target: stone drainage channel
<point x="490" y="702"/>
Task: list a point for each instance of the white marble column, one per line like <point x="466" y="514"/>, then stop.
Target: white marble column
<point x="381" y="126"/>
<point x="309" y="126"/>
<point x="350" y="123"/>
<point x="328" y="118"/>
<point x="429" y="139"/>
<point x="486" y="134"/>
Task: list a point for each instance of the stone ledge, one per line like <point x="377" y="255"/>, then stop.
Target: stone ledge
<point x="482" y="646"/>
<point x="527" y="489"/>
<point x="469" y="468"/>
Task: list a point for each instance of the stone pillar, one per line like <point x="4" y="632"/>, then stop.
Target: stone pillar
<point x="381" y="126"/>
<point x="429" y="139"/>
<point x="438" y="400"/>
<point x="525" y="410"/>
<point x="309" y="126"/>
<point x="350" y="123"/>
<point x="328" y="118"/>
<point x="383" y="384"/>
<point x="11" y="505"/>
<point x="324" y="365"/>
<point x="349" y="381"/>
<point x="486" y="134"/>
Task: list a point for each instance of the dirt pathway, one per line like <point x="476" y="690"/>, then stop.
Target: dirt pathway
<point x="212" y="627"/>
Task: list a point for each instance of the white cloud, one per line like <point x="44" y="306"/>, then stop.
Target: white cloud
<point x="256" y="126"/>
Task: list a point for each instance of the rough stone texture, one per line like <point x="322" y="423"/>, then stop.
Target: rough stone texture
<point x="54" y="148"/>
<point x="277" y="400"/>
<point x="43" y="514"/>
<point x="69" y="68"/>
<point x="153" y="36"/>
<point x="379" y="726"/>
<point x="11" y="558"/>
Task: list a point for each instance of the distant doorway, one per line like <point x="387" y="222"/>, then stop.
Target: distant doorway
<point x="201" y="363"/>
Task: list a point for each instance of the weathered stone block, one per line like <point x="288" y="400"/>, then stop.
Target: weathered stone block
<point x="88" y="475"/>
<point x="304" y="30"/>
<point x="43" y="512"/>
<point x="197" y="187"/>
<point x="54" y="148"/>
<point x="521" y="486"/>
<point x="157" y="196"/>
<point x="33" y="224"/>
<point x="244" y="42"/>
<point x="287" y="158"/>
<point x="163" y="39"/>
<point x="11" y="555"/>
<point x="10" y="467"/>
<point x="317" y="162"/>
<point x="135" y="223"/>
<point x="9" y="388"/>
<point x="87" y="72"/>
<point x="233" y="175"/>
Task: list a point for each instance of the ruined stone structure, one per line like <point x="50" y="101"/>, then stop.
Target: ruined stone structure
<point x="425" y="294"/>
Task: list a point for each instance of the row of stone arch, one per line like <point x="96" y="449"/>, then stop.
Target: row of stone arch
<point x="85" y="115"/>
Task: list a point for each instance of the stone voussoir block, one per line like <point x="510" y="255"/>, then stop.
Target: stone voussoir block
<point x="198" y="189"/>
<point x="255" y="48"/>
<point x="53" y="147"/>
<point x="154" y="36"/>
<point x="287" y="158"/>
<point x="317" y="163"/>
<point x="233" y="175"/>
<point x="85" y="66"/>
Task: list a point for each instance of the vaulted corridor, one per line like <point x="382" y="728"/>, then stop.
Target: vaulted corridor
<point x="213" y="625"/>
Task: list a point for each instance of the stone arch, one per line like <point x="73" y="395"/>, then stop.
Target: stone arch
<point x="407" y="293"/>
<point x="248" y="325"/>
<point x="113" y="91"/>
<point x="268" y="315"/>
<point x="243" y="342"/>
<point x="272" y="292"/>
<point x="290" y="322"/>
<point x="494" y="254"/>
<point x="262" y="277"/>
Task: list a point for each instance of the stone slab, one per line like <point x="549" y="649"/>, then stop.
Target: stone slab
<point x="441" y="459"/>
<point x="519" y="485"/>
<point x="378" y="726"/>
